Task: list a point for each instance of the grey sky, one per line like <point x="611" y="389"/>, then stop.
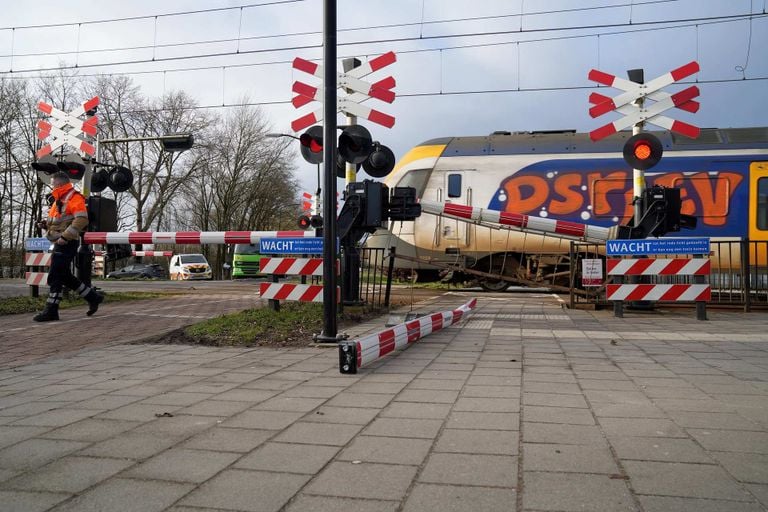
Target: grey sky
<point x="444" y="69"/>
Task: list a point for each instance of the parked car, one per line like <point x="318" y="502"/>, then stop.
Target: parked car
<point x="139" y="270"/>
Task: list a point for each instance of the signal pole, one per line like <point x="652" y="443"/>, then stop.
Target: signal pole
<point x="329" y="333"/>
<point x="638" y="175"/>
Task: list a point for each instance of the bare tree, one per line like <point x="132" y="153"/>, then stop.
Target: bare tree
<point x="247" y="180"/>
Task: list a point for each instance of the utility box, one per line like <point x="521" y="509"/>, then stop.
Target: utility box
<point x="373" y="199"/>
<point x="102" y="214"/>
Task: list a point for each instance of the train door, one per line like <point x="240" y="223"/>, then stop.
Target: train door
<point x="758" y="201"/>
<point x="455" y="233"/>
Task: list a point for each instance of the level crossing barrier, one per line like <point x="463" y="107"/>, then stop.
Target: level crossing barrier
<point x="355" y="354"/>
<point x="191" y="237"/>
<point x="700" y="293"/>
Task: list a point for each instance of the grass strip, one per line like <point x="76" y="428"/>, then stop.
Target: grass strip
<point x="18" y="305"/>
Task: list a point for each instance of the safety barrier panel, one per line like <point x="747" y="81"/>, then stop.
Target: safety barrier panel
<point x="358" y="353"/>
<point x="35" y="277"/>
<point x="699" y="292"/>
<point x="276" y="292"/>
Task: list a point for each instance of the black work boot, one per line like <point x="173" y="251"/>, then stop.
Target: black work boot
<point x="94" y="299"/>
<point x="49" y="314"/>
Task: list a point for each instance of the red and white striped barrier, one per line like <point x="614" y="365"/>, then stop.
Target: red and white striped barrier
<point x="37" y="259"/>
<point x="661" y="267"/>
<point x="191" y="237"/>
<point x="290" y="291"/>
<point x="155" y="254"/>
<point x="36" y="278"/>
<point x="699" y="292"/>
<point x="356" y="354"/>
<point x="566" y="229"/>
<point x="659" y="292"/>
<point x="293" y="266"/>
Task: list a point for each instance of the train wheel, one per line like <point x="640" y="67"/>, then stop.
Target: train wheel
<point x="490" y="285"/>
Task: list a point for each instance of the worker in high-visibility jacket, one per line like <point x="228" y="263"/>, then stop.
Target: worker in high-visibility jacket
<point x="67" y="218"/>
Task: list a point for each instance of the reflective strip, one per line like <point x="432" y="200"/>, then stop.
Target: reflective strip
<point x="85" y="292"/>
<point x="81" y="214"/>
<point x="64" y="218"/>
<point x="81" y="287"/>
<point x="72" y="230"/>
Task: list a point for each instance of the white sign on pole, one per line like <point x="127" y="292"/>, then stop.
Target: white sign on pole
<point x="591" y="272"/>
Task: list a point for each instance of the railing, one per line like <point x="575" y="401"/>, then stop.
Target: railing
<point x="739" y="275"/>
<point x="373" y="277"/>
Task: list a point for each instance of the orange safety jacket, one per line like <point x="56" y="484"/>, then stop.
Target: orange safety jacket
<point x="68" y="216"/>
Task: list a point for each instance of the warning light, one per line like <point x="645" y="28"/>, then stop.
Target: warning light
<point x="304" y="222"/>
<point x="643" y="151"/>
<point x="312" y="145"/>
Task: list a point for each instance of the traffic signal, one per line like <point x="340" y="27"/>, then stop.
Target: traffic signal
<point x="643" y="151"/>
<point x="307" y="221"/>
<point x="45" y="167"/>
<point x="73" y="165"/>
<point x="341" y="167"/>
<point x="175" y="142"/>
<point x="100" y="180"/>
<point x="355" y="144"/>
<point x="312" y="144"/>
<point x="380" y="162"/>
<point x="120" y="178"/>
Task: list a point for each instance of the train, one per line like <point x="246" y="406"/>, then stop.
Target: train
<point x="564" y="175"/>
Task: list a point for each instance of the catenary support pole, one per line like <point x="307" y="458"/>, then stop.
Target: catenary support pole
<point x="329" y="166"/>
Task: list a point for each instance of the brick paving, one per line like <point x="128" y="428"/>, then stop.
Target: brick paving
<point x="525" y="407"/>
<point x="23" y="341"/>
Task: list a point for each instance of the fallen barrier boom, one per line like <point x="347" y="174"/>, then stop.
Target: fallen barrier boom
<point x="357" y="353"/>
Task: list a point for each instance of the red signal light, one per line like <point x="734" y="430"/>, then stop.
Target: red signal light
<point x="312" y="144"/>
<point x="642" y="150"/>
<point x="304" y="222"/>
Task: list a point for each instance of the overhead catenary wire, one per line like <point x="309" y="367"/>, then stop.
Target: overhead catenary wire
<point x="15" y="74"/>
<point x="149" y="16"/>
<point x="700" y="20"/>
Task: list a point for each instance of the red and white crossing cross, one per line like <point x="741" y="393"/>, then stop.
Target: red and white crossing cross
<point x="651" y="110"/>
<point x="66" y="128"/>
<point x="350" y="104"/>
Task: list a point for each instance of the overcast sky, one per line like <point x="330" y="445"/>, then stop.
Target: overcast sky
<point x="463" y="67"/>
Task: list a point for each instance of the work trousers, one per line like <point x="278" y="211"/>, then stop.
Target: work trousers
<point x="60" y="273"/>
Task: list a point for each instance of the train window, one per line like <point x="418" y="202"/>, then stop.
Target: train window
<point x="454" y="185"/>
<point x="416" y="179"/>
<point x="762" y="203"/>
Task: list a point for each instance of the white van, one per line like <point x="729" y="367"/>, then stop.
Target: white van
<point x="189" y="266"/>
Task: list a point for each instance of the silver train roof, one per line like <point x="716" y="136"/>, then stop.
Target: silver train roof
<point x="553" y="142"/>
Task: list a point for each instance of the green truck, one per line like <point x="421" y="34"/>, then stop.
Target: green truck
<point x="245" y="261"/>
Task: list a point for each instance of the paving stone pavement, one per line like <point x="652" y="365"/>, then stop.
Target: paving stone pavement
<point x="525" y="407"/>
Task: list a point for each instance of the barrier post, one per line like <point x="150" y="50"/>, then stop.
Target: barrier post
<point x="701" y="306"/>
<point x="274" y="304"/>
<point x="746" y="275"/>
<point x="390" y="270"/>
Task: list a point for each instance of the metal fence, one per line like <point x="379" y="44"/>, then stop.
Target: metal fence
<point x="373" y="277"/>
<point x="739" y="276"/>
